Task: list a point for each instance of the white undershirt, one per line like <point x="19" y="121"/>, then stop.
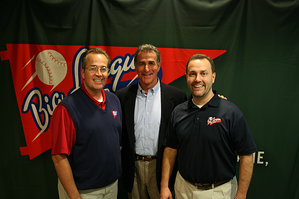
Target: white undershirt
<point x="199" y="106"/>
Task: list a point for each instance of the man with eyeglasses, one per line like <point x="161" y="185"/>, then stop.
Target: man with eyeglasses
<point x="86" y="134"/>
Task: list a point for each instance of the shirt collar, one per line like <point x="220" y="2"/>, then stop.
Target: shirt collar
<point x="99" y="104"/>
<point x="215" y="101"/>
<point x="153" y="90"/>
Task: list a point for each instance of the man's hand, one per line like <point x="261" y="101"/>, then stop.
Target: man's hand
<point x="221" y="96"/>
<point x="245" y="174"/>
<point x="167" y="166"/>
<point x="165" y="193"/>
<point x="65" y="175"/>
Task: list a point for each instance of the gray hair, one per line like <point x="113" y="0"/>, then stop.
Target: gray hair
<point x="148" y="48"/>
<point x="96" y="51"/>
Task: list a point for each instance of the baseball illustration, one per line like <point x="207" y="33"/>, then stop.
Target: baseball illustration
<point x="51" y="67"/>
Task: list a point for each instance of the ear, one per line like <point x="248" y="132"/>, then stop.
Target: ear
<point x="214" y="77"/>
<point x="82" y="73"/>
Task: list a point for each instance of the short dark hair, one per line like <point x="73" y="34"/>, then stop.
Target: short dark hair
<point x="201" y="56"/>
<point x="148" y="48"/>
<point x="96" y="51"/>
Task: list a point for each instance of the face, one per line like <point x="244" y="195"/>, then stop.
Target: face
<point x="95" y="82"/>
<point x="147" y="69"/>
<point x="200" y="79"/>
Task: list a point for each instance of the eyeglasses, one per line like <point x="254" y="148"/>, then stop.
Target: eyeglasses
<point x="94" y="69"/>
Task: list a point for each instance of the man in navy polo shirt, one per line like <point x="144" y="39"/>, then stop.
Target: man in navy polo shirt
<point x="206" y="134"/>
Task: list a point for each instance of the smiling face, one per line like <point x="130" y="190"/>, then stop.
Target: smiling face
<point x="200" y="79"/>
<point x="95" y="82"/>
<point x="147" y="69"/>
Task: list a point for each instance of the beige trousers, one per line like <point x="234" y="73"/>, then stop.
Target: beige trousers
<point x="145" y="183"/>
<point x="185" y="190"/>
<point x="108" y="192"/>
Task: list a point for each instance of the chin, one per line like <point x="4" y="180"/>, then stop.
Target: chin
<point x="198" y="95"/>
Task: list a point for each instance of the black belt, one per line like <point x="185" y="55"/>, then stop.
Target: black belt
<point x="207" y="186"/>
<point x="145" y="158"/>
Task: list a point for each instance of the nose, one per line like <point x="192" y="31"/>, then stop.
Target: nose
<point x="146" y="67"/>
<point x="99" y="73"/>
<point x="198" y="78"/>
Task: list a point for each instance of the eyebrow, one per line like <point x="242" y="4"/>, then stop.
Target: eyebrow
<point x="148" y="61"/>
<point x="201" y="71"/>
<point x="99" y="66"/>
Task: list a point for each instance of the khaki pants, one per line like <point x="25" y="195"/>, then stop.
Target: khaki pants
<point x="145" y="183"/>
<point x="185" y="190"/>
<point x="108" y="192"/>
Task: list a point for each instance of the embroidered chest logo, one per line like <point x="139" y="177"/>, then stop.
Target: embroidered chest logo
<point x="114" y="113"/>
<point x="213" y="120"/>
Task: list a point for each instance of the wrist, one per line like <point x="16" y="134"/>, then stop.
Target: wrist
<point x="164" y="186"/>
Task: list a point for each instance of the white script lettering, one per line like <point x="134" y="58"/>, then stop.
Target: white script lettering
<point x="41" y="107"/>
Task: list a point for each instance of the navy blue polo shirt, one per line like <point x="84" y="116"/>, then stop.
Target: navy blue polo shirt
<point x="208" y="139"/>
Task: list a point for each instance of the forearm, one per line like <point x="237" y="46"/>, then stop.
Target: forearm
<point x="245" y="174"/>
<point x="65" y="175"/>
<point x="167" y="167"/>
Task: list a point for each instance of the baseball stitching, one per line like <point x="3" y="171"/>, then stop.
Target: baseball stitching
<point x="48" y="67"/>
<point x="56" y="61"/>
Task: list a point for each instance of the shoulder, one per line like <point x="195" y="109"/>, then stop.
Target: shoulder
<point x="126" y="93"/>
<point x="171" y="88"/>
<point x="228" y="108"/>
<point x="179" y="112"/>
<point x="127" y="90"/>
<point x="226" y="104"/>
<point x="173" y="91"/>
<point x="72" y="97"/>
<point x="182" y="107"/>
<point x="111" y="96"/>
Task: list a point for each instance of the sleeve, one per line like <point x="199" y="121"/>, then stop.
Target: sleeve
<point x="171" y="137"/>
<point x="63" y="131"/>
<point x="244" y="142"/>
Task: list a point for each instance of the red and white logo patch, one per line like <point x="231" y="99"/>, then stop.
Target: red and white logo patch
<point x="114" y="113"/>
<point x="213" y="120"/>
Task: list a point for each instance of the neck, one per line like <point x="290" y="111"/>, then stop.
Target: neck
<point x="200" y="101"/>
<point x="146" y="87"/>
<point x="96" y="94"/>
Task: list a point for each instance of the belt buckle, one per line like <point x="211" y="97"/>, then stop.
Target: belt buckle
<point x="204" y="186"/>
<point x="148" y="157"/>
<point x="139" y="157"/>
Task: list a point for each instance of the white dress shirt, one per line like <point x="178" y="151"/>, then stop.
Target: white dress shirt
<point x="147" y="119"/>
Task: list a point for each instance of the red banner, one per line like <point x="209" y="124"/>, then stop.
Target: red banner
<point x="44" y="74"/>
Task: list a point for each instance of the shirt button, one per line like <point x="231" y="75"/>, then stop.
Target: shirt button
<point x="146" y="125"/>
<point x="147" y="113"/>
<point x="146" y="138"/>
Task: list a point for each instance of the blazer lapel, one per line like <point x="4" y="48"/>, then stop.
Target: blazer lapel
<point x="166" y="109"/>
<point x="129" y="110"/>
